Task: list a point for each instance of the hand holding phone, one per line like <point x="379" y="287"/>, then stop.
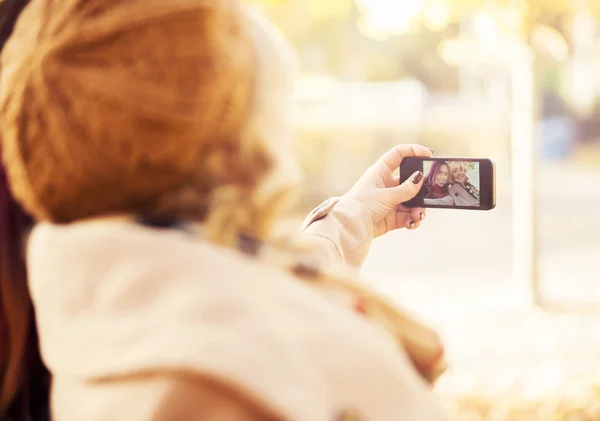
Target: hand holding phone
<point x="452" y="182"/>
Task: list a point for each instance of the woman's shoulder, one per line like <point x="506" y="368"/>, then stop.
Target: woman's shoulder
<point x="97" y="284"/>
<point x="113" y="299"/>
<point x="97" y="255"/>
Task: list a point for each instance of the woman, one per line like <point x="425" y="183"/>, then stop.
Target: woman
<point x="23" y="379"/>
<point x="149" y="137"/>
<point x="436" y="182"/>
<point x="463" y="192"/>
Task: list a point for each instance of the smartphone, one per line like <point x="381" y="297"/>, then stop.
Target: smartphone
<point x="452" y="183"/>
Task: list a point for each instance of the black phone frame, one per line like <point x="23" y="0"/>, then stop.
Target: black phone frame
<point x="487" y="181"/>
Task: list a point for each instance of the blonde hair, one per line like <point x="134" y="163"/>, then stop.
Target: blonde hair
<point x="458" y="164"/>
<point x="266" y="142"/>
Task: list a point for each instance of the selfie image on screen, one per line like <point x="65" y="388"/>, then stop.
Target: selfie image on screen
<point x="450" y="183"/>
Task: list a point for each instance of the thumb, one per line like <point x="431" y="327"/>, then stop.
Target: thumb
<point x="407" y="190"/>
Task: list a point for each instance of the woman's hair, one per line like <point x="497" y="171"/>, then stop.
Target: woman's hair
<point x="433" y="172"/>
<point x="18" y="347"/>
<point x="269" y="139"/>
<point x="15" y="303"/>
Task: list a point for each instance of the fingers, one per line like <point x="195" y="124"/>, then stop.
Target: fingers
<point x="410" y="224"/>
<point x="410" y="220"/>
<point x="418" y="214"/>
<point x="391" y="160"/>
<point x="405" y="191"/>
<point x="406" y="220"/>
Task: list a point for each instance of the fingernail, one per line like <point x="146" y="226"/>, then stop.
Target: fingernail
<point x="430" y="149"/>
<point x="417" y="177"/>
<point x="422" y="216"/>
<point x="412" y="224"/>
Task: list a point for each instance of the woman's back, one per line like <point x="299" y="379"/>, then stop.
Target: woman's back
<point x="121" y="304"/>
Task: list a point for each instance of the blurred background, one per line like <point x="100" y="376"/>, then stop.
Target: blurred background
<point x="515" y="292"/>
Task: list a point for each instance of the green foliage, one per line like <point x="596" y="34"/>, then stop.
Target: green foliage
<point x="471" y="166"/>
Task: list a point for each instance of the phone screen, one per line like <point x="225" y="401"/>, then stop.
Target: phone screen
<point x="451" y="183"/>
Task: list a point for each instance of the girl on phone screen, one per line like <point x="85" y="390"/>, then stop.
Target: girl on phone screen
<point x="437" y="180"/>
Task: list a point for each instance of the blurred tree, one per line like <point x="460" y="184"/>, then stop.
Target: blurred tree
<point x="315" y="12"/>
<point x="330" y="35"/>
